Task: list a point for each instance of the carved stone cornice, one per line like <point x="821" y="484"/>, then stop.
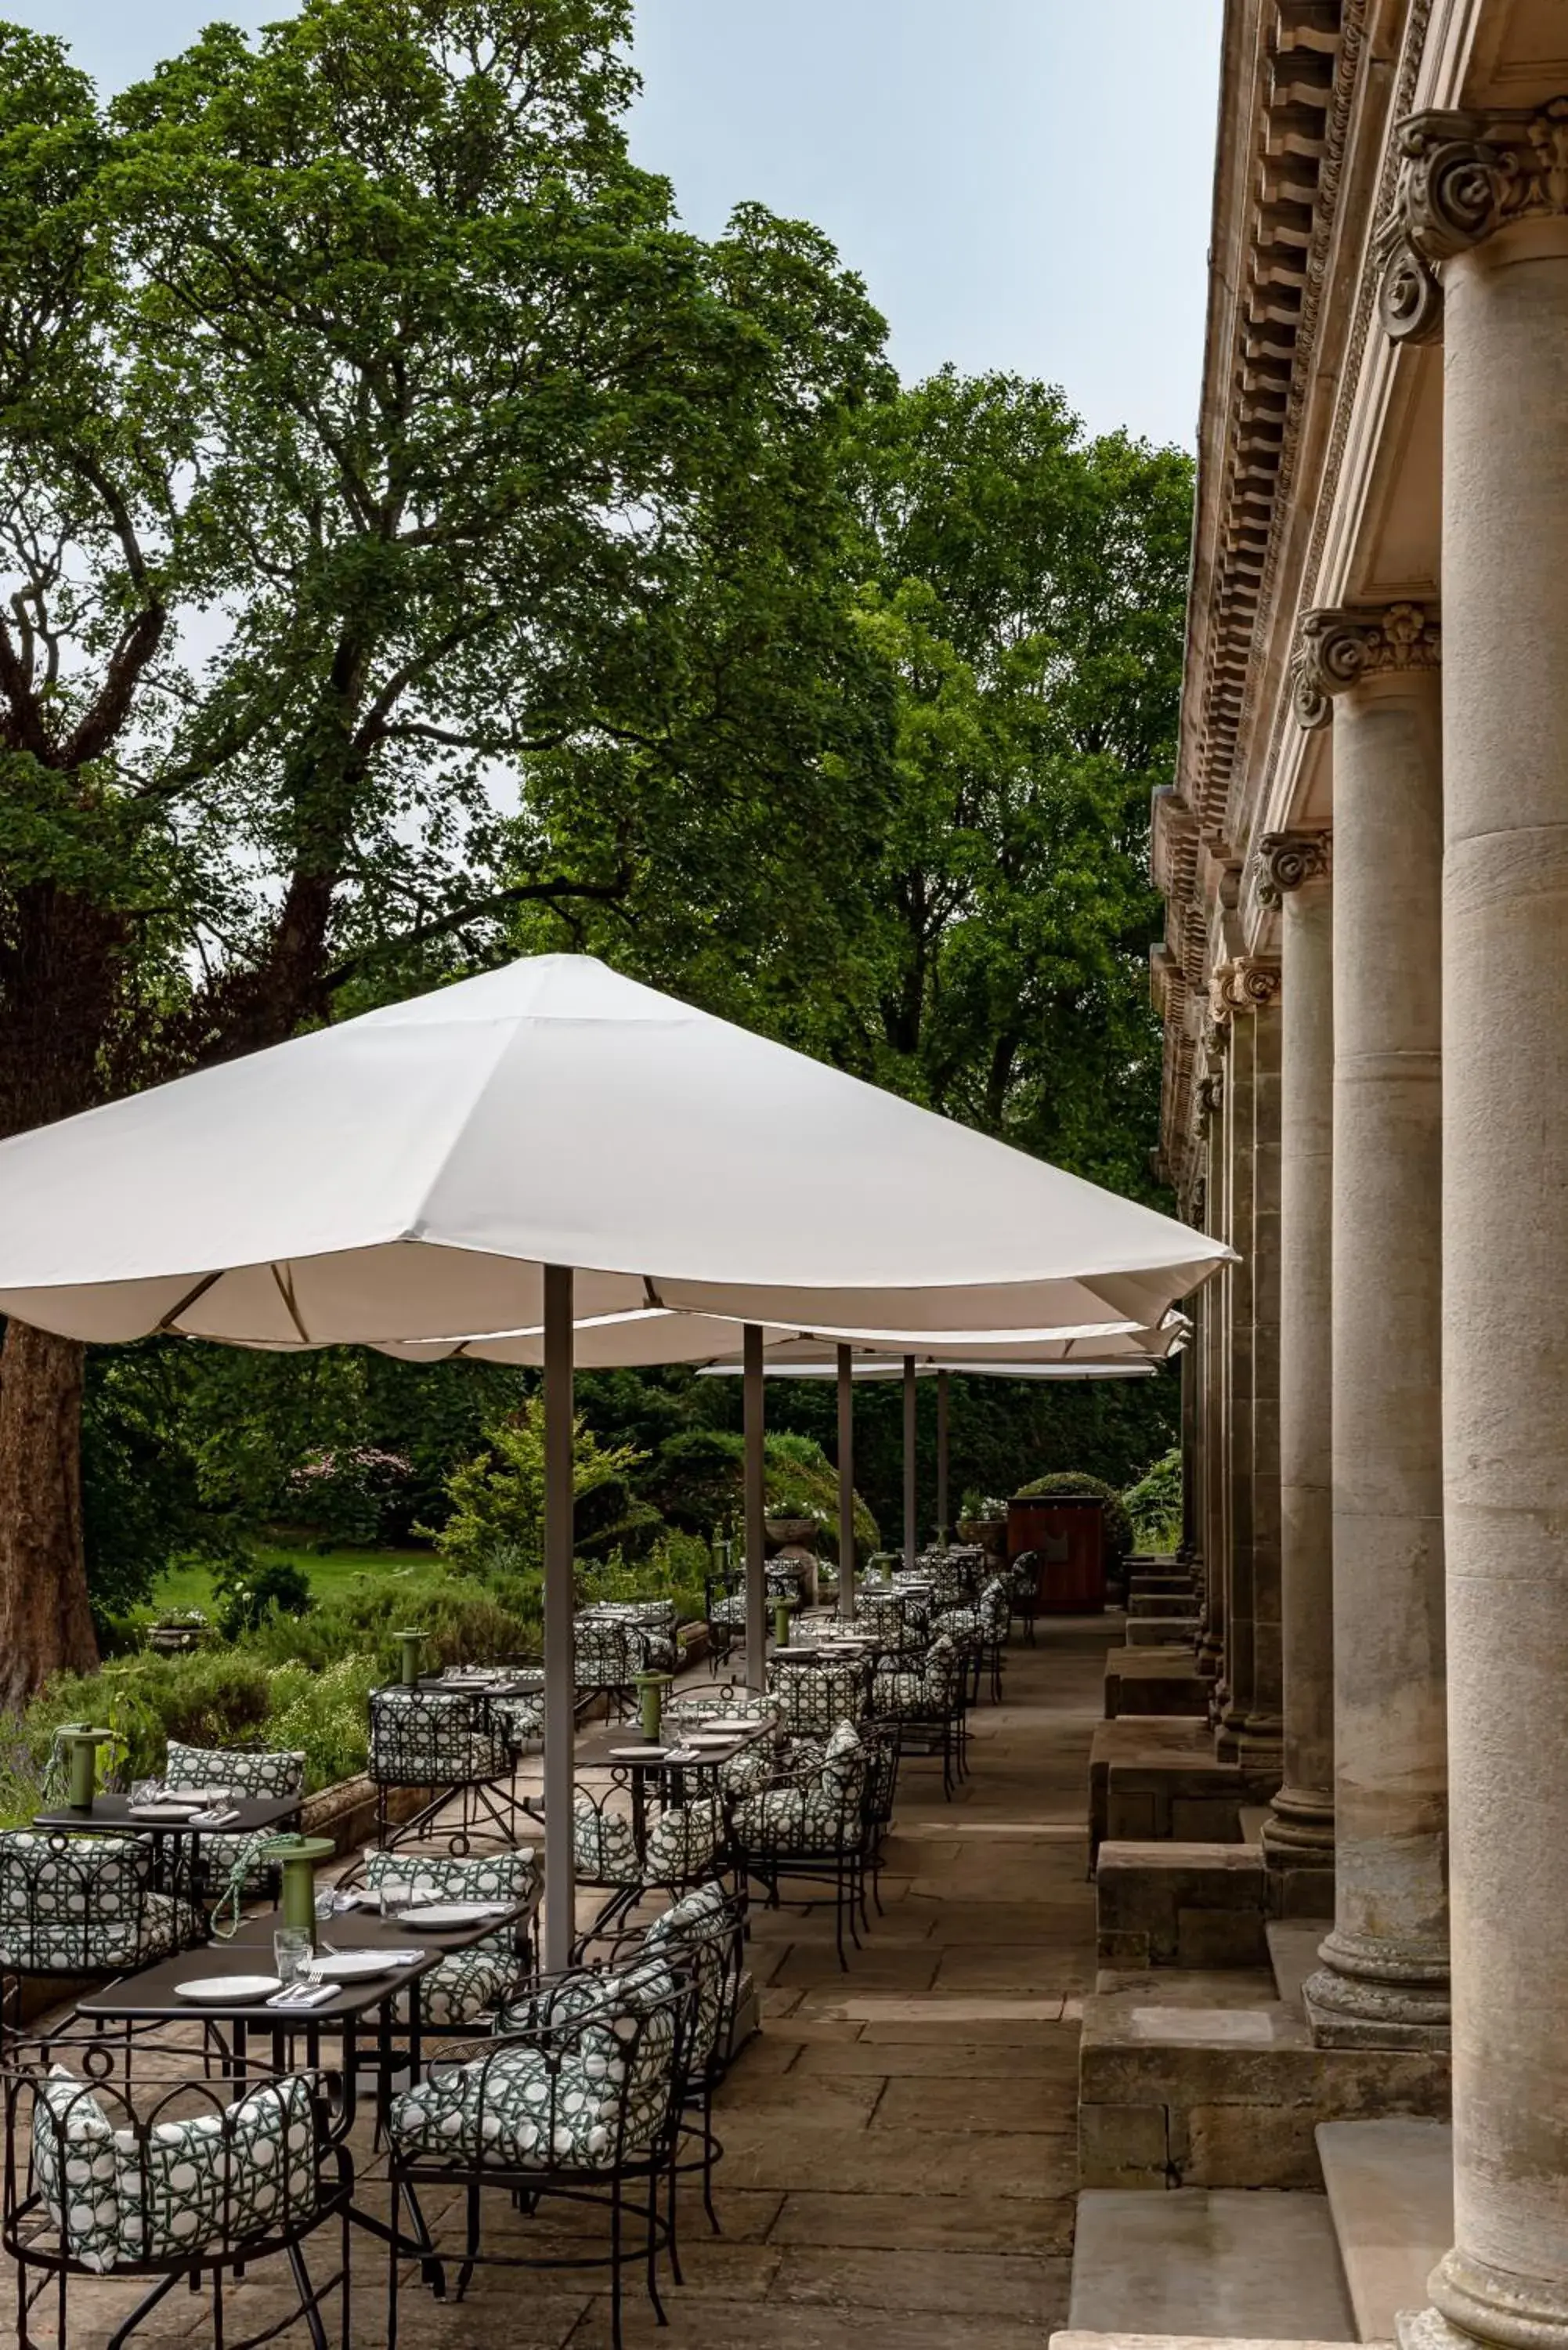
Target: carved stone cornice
<point x="1464" y="176"/>
<point x="1247" y="983"/>
<point x="1336" y="650"/>
<point x="1289" y="860"/>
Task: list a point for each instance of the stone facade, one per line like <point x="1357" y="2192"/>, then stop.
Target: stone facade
<point x="1363" y="983"/>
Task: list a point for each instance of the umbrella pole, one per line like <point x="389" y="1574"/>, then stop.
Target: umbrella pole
<point x="560" y="1693"/>
<point x="942" y="1459"/>
<point x="756" y="1572"/>
<point x="911" y="1531"/>
<point x="846" y="1483"/>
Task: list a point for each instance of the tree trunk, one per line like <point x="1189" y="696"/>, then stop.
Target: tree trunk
<point x="45" y="1623"/>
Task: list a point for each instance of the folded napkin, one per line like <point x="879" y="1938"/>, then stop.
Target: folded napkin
<point x="684" y="1754"/>
<point x="214" y="1819"/>
<point x="309" y="1996"/>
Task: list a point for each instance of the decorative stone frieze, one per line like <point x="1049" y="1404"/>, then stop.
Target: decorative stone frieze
<point x="1337" y="649"/>
<point x="1247" y="983"/>
<point x="1462" y="177"/>
<point x="1211" y="1095"/>
<point x="1289" y="860"/>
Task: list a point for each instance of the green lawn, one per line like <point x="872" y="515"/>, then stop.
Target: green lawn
<point x="327" y="1571"/>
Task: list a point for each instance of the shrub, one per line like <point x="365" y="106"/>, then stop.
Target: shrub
<point x="348" y="1491"/>
<point x="695" y="1480"/>
<point x="247" y="1593"/>
<point x="1154" y="1503"/>
<point x="1118" y="1524"/>
<point x="498" y="1498"/>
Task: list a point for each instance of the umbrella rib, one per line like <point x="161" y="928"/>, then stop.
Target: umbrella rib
<point x="175" y="1311"/>
<point x="285" y="1291"/>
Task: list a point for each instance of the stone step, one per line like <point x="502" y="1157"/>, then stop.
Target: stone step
<point x="1252" y="1816"/>
<point x="1161" y="1601"/>
<point x="1391" y="2193"/>
<point x="1160" y="1631"/>
<point x="1087" y="2340"/>
<point x="1174" y="2093"/>
<point x="1293" y="1954"/>
<point x="1147" y="1741"/>
<point x="1153" y="1680"/>
<point x="1255" y="2264"/>
<point x="1181" y="1905"/>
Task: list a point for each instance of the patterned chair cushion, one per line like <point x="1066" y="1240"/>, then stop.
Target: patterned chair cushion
<point x="698" y="1934"/>
<point x="800" y="1819"/>
<point x="609" y="1652"/>
<point x="684" y="1843"/>
<point x="814" y="1699"/>
<point x="522" y="1717"/>
<point x="434" y="1741"/>
<point x="83" y="1905"/>
<point x="260" y="1774"/>
<point x="744" y="1772"/>
<point x="533" y="2107"/>
<point x="904" y="1695"/>
<point x="188" y="2186"/>
<point x="721" y="1704"/>
<point x="604" y="1850"/>
<point x="730" y="1609"/>
<point x="463" y="1985"/>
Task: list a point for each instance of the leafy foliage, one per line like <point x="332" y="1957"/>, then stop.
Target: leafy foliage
<point x="498" y="1497"/>
<point x="1154" y="1503"/>
<point x="248" y="1593"/>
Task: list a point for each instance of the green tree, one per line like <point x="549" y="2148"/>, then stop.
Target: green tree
<point x="1024" y="585"/>
<point x="368" y="427"/>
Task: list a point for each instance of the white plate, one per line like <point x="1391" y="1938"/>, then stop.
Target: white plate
<point x="162" y="1811"/>
<point x="228" y="1990"/>
<point x="713" y="1737"/>
<point x="449" y="1913"/>
<point x="637" y="1753"/>
<point x="356" y="1966"/>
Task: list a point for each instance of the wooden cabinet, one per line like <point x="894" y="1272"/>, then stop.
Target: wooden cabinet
<point x="1067" y="1534"/>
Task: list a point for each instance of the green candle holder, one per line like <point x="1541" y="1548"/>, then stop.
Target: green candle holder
<point x="781" y="1623"/>
<point x="297" y="1857"/>
<point x="650" y="1688"/>
<point x="80" y="1741"/>
<point x="413" y="1645"/>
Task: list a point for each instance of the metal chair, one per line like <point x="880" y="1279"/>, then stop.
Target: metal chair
<point x="166" y="2178"/>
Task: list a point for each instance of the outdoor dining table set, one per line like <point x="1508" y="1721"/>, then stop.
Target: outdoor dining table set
<point x="195" y="2112"/>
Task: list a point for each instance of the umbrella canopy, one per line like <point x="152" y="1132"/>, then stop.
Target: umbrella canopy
<point x="888" y="1369"/>
<point x="410" y="1173"/>
<point x="653" y="1335"/>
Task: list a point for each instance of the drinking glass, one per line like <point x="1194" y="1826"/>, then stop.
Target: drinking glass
<point x="293" y="1954"/>
<point x="146" y="1791"/>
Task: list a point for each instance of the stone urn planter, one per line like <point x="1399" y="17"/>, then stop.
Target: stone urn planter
<point x="792" y="1534"/>
<point x="991" y="1534"/>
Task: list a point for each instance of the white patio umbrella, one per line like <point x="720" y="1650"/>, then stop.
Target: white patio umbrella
<point x="543" y="1139"/>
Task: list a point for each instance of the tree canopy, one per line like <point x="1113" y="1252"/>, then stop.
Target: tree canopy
<point x="417" y="547"/>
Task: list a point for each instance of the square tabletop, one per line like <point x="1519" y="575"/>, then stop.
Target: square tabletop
<point x="597" y="1750"/>
<point x="112" y="1815"/>
<point x="150" y="1994"/>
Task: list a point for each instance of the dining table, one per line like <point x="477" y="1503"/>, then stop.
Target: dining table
<point x="378" y="2030"/>
<point x="178" y="1862"/>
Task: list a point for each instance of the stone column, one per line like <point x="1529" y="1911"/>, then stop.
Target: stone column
<point x="1250" y="1722"/>
<point x="1298" y="1836"/>
<point x="1212" y="1634"/>
<point x="1236" y="1668"/>
<point x="1383" y="1979"/>
<point x="1484" y="200"/>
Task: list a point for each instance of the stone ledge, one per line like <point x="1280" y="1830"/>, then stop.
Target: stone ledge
<point x="1181" y="1905"/>
<point x="1149" y="1740"/>
<point x="1221" y="2096"/>
<point x="1191" y="1799"/>
<point x="1162" y="1600"/>
<point x="1391" y="2191"/>
<point x="1160" y="1631"/>
<point x="1079" y="2340"/>
<point x="1153" y="1680"/>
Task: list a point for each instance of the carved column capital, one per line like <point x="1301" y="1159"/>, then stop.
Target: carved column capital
<point x="1336" y="650"/>
<point x="1464" y="176"/>
<point x="1245" y="984"/>
<point x="1288" y="860"/>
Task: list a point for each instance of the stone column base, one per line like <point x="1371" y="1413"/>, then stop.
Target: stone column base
<point x="1298" y="1854"/>
<point x="1348" y="2010"/>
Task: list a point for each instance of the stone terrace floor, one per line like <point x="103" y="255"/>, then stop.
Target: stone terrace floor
<point x="900" y="2154"/>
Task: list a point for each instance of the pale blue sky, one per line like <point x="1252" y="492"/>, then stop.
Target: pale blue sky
<point x="1022" y="184"/>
